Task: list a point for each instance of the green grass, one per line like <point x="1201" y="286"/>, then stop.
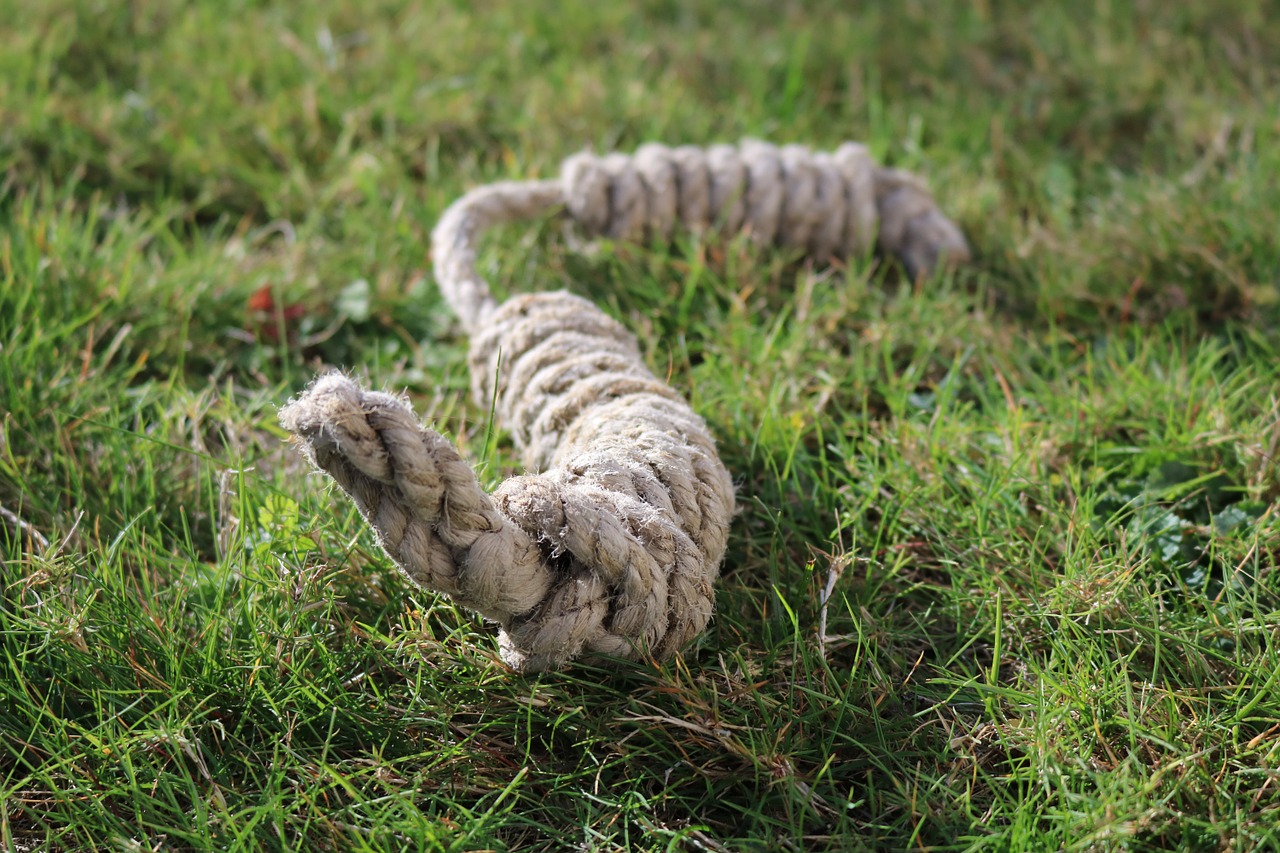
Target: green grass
<point x="1043" y="493"/>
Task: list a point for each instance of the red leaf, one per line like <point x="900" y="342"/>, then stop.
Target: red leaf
<point x="262" y="300"/>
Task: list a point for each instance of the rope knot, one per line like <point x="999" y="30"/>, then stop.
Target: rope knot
<point x="611" y="545"/>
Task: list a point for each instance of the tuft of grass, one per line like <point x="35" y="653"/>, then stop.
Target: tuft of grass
<point x="1005" y="573"/>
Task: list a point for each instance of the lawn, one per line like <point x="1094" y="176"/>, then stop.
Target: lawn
<point x="1004" y="574"/>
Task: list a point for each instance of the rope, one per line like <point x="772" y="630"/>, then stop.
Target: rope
<point x="614" y="547"/>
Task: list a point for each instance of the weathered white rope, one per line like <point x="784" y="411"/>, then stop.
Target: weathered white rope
<point x="614" y="547"/>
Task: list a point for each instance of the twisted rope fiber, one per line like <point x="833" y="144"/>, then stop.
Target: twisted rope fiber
<point x="614" y="547"/>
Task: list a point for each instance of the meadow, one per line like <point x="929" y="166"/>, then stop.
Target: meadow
<point x="1004" y="575"/>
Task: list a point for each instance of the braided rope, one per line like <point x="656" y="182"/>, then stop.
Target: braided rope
<point x="613" y="549"/>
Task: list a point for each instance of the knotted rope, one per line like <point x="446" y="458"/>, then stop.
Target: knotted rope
<point x="613" y="549"/>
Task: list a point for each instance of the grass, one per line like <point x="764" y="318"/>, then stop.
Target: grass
<point x="1042" y="494"/>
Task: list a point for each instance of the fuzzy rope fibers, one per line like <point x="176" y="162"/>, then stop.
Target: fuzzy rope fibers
<point x="613" y="547"/>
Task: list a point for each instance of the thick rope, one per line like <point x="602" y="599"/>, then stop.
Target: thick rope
<point x="828" y="204"/>
<point x="614" y="548"/>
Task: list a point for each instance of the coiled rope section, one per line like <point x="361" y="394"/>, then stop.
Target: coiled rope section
<point x="611" y="549"/>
